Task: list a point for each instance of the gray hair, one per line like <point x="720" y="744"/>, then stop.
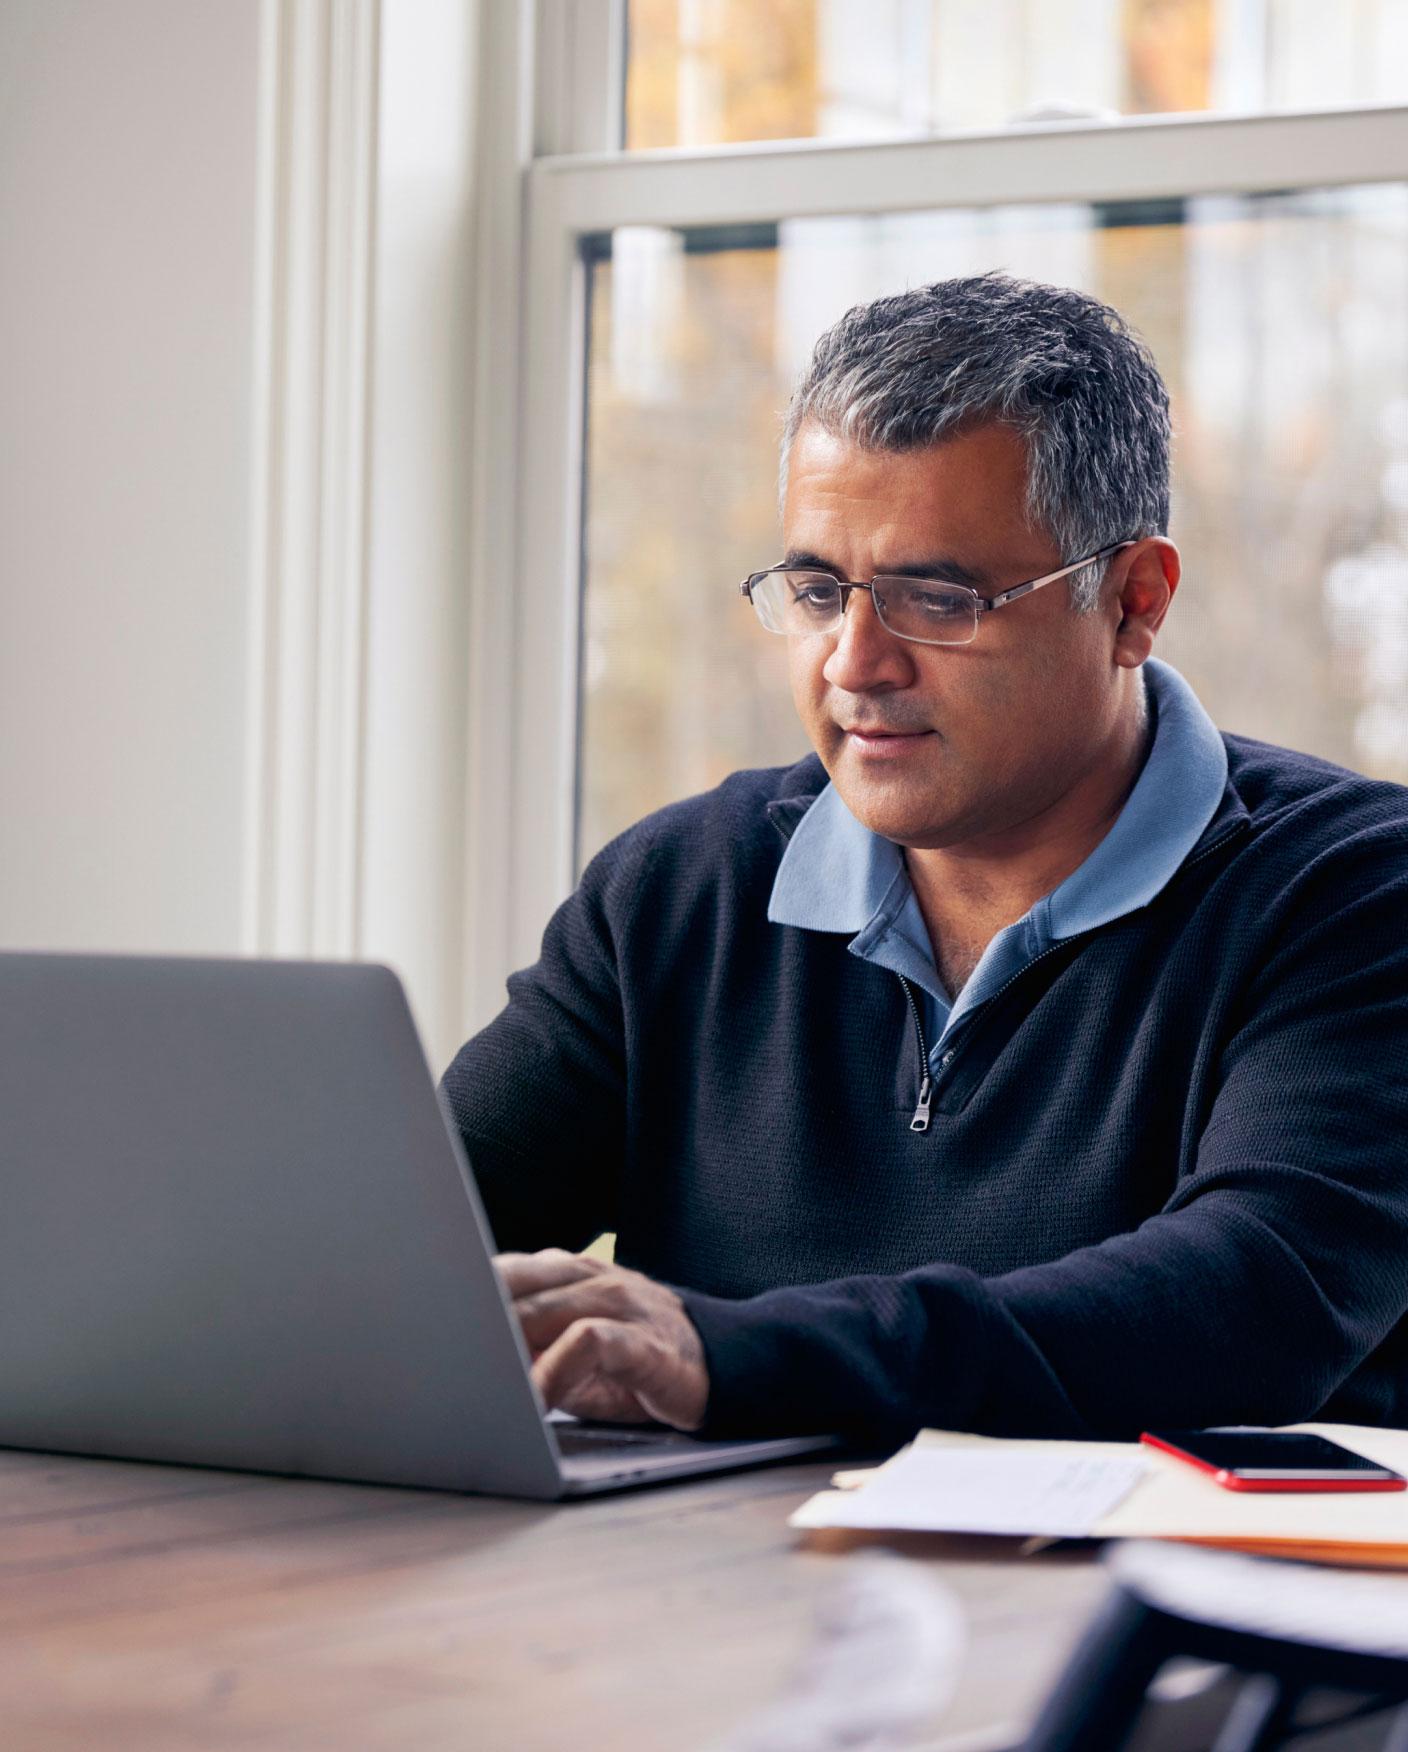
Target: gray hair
<point x="1063" y="369"/>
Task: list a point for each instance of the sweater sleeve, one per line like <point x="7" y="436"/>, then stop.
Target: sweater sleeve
<point x="1272" y="1272"/>
<point x="538" y="1097"/>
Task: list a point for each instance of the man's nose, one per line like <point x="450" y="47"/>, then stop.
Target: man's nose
<point x="865" y="655"/>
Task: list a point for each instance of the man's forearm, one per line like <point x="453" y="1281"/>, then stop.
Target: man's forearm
<point x="1197" y="1318"/>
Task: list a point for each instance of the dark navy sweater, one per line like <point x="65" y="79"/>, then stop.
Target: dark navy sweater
<point x="1166" y="1174"/>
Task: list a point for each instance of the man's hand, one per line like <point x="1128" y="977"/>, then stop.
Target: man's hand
<point x="606" y="1342"/>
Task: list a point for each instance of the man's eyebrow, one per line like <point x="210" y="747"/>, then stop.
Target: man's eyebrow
<point x="943" y="566"/>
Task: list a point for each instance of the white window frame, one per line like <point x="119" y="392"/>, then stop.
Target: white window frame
<point x="524" y="747"/>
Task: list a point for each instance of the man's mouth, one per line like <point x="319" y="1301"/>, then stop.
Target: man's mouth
<point x="875" y="742"/>
<point x="882" y="732"/>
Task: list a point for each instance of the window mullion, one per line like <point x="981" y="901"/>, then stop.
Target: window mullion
<point x="547" y="596"/>
<point x="580" y="77"/>
<point x="1159" y="158"/>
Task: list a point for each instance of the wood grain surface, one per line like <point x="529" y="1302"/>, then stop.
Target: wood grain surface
<point x="159" y="1607"/>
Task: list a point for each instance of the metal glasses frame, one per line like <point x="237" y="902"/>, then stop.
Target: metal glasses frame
<point x="982" y="604"/>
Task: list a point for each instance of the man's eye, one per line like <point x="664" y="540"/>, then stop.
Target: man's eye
<point x="937" y="604"/>
<point x="814" y="595"/>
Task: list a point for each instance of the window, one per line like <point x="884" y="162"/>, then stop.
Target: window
<point x="669" y="296"/>
<point x="706" y="72"/>
<point x="1278" y="323"/>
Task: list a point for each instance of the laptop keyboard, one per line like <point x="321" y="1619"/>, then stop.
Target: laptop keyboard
<point x="575" y="1439"/>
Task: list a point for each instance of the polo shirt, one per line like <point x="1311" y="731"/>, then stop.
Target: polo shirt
<point x="836" y="875"/>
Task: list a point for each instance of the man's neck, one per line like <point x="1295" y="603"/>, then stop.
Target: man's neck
<point x="968" y="893"/>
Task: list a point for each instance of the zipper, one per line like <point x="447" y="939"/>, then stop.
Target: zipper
<point x="920" y="1121"/>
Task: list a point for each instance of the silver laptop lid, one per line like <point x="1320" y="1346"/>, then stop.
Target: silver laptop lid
<point x="238" y="1232"/>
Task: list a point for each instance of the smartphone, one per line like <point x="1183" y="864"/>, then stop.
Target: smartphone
<point x="1274" y="1460"/>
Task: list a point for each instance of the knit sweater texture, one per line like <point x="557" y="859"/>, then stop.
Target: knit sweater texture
<point x="1165" y="1178"/>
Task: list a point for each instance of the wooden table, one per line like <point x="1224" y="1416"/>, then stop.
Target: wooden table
<point x="157" y="1607"/>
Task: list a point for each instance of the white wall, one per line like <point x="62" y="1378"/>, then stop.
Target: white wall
<point x="127" y="189"/>
<point x="235" y="383"/>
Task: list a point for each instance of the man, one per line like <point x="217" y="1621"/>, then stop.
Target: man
<point x="1032" y="1060"/>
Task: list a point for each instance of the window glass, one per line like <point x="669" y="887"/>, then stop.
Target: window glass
<point x="702" y="72"/>
<point x="1277" y="322"/>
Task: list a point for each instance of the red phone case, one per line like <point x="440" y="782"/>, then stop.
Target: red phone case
<point x="1232" y="1481"/>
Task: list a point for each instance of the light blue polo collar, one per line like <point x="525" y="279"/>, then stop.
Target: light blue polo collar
<point x="839" y="876"/>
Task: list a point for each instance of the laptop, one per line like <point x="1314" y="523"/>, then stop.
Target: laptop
<point x="239" y="1232"/>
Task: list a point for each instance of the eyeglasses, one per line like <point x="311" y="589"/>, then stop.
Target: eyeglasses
<point x="801" y="599"/>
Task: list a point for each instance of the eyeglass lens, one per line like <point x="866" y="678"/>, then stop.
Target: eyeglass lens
<point x="915" y="608"/>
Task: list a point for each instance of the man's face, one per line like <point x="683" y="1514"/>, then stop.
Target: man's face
<point x="930" y="745"/>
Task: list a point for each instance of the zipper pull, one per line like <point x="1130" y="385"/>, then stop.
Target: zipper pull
<point x="920" y="1122"/>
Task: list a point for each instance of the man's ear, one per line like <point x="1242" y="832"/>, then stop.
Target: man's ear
<point x="1145" y="577"/>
